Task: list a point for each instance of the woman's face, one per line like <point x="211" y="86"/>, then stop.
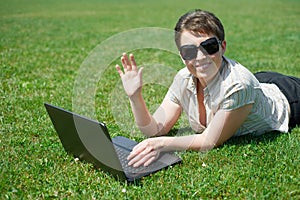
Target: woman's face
<point x="204" y="66"/>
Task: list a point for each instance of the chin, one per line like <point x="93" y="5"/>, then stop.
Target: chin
<point x="205" y="76"/>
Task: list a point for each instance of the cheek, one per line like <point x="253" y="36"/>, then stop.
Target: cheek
<point x="189" y="64"/>
<point x="217" y="59"/>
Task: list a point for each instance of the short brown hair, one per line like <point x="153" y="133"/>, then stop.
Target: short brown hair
<point x="199" y="21"/>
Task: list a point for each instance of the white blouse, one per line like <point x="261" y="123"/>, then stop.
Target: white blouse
<point x="233" y="87"/>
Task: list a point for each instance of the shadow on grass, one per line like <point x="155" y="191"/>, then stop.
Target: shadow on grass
<point x="257" y="139"/>
<point x="254" y="139"/>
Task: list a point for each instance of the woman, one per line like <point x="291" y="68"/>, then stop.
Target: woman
<point x="220" y="97"/>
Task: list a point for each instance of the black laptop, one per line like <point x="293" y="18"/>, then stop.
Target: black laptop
<point x="90" y="141"/>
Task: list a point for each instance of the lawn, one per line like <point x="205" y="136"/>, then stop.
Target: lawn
<point x="64" y="52"/>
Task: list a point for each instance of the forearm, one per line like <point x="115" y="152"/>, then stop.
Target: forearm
<point x="194" y="142"/>
<point x="222" y="127"/>
<point x="132" y="82"/>
<point x="144" y="120"/>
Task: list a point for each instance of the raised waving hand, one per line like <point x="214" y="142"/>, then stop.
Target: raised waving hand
<point x="131" y="76"/>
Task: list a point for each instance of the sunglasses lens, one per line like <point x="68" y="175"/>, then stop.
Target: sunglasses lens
<point x="211" y="46"/>
<point x="188" y="52"/>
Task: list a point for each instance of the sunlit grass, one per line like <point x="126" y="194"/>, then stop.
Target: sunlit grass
<point x="42" y="46"/>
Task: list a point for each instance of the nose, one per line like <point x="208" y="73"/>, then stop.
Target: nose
<point x="200" y="55"/>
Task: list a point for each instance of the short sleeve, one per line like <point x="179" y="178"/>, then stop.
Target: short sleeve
<point x="173" y="97"/>
<point x="238" y="95"/>
<point x="174" y="90"/>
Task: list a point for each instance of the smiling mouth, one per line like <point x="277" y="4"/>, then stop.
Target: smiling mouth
<point x="203" y="66"/>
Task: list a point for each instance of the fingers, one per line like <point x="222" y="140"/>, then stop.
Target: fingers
<point x="125" y="62"/>
<point x="140" y="72"/>
<point x="137" y="150"/>
<point x="144" y="158"/>
<point x="142" y="154"/>
<point x="133" y="63"/>
<point x="128" y="63"/>
<point x="119" y="70"/>
<point x="150" y="160"/>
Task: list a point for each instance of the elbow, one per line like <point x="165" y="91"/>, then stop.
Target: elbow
<point x="147" y="132"/>
<point x="152" y="129"/>
<point x="202" y="147"/>
<point x="207" y="147"/>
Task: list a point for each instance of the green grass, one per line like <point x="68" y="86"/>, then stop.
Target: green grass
<point x="43" y="45"/>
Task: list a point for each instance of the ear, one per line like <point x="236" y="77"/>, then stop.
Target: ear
<point x="223" y="45"/>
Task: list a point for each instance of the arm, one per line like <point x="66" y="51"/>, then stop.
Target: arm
<point x="165" y="116"/>
<point x="221" y="128"/>
<point x="162" y="120"/>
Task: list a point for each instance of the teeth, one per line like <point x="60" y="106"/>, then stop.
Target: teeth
<point x="204" y="66"/>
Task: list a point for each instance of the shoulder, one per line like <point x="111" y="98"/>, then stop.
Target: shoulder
<point x="183" y="74"/>
<point x="238" y="86"/>
<point x="182" y="79"/>
<point x="233" y="77"/>
<point x="235" y="73"/>
<point x="182" y="86"/>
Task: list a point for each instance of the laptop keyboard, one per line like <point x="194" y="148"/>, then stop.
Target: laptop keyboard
<point x="123" y="154"/>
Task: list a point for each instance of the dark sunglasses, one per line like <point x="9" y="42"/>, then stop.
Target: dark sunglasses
<point x="189" y="52"/>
